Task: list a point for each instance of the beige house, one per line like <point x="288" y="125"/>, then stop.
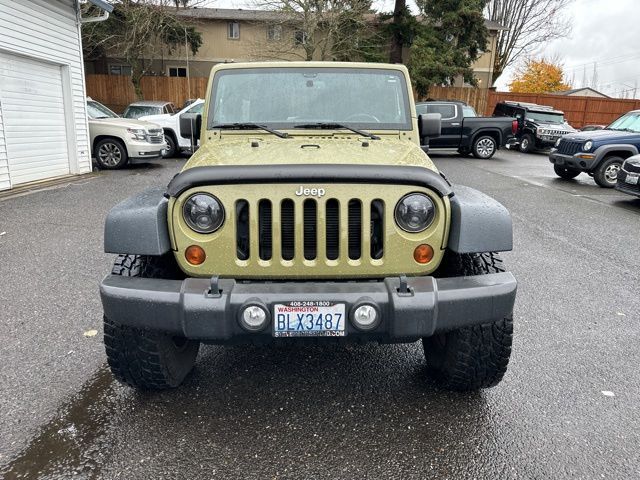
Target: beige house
<point x="237" y="35"/>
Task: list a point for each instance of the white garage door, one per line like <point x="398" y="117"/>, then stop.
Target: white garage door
<point x="32" y="103"/>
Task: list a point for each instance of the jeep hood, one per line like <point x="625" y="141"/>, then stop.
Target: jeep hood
<point x="303" y="149"/>
<point x="122" y="122"/>
<point x="604" y="136"/>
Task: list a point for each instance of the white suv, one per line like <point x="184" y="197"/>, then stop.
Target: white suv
<point x="170" y="123"/>
<point x="115" y="140"/>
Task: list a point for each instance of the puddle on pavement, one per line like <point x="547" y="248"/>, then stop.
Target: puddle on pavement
<point x="69" y="445"/>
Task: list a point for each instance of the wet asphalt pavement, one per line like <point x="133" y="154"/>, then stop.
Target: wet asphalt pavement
<point x="360" y="411"/>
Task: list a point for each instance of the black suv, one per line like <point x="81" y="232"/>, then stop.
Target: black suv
<point x="539" y="126"/>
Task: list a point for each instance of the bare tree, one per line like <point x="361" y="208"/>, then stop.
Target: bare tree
<point x="315" y="30"/>
<point x="136" y="31"/>
<point x="528" y="23"/>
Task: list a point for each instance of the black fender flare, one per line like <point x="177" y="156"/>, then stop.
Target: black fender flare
<point x="603" y="151"/>
<point x="138" y="225"/>
<point x="479" y="223"/>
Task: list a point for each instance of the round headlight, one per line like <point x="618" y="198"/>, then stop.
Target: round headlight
<point x="587" y="145"/>
<point x="415" y="212"/>
<point x="203" y="213"/>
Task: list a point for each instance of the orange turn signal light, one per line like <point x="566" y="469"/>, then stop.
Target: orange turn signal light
<point x="195" y="255"/>
<point x="423" y="253"/>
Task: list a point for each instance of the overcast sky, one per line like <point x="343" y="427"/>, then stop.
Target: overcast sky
<point x="604" y="32"/>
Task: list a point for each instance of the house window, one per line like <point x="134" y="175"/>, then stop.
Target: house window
<point x="177" y="71"/>
<point x="119" y="70"/>
<point x="300" y="37"/>
<point x="274" y="32"/>
<point x="233" y="30"/>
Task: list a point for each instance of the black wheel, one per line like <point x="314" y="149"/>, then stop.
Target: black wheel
<point x="144" y="359"/>
<point x="110" y="153"/>
<point x="527" y="143"/>
<point x="484" y="147"/>
<point x="474" y="357"/>
<point x="566" y="172"/>
<point x="606" y="174"/>
<point x="170" y="152"/>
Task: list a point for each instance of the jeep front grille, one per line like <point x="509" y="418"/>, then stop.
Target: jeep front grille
<point x="271" y="233"/>
<point x="303" y="226"/>
<point x="569" y="147"/>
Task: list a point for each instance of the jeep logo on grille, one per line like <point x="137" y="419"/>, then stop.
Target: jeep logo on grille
<point x="309" y="192"/>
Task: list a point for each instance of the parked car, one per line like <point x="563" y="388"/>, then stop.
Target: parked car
<point x="170" y="123"/>
<point x="115" y="141"/>
<point x="591" y="128"/>
<point x="629" y="175"/>
<point x="463" y="130"/>
<point x="148" y="107"/>
<point x="539" y="126"/>
<point x="262" y="237"/>
<point x="599" y="153"/>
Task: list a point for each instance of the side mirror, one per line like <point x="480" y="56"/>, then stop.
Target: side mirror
<point x="429" y="126"/>
<point x="191" y="125"/>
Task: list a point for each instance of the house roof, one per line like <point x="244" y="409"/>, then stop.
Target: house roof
<point x="493" y="25"/>
<point x="268" y="15"/>
<point x="578" y="90"/>
<point x="229" y="14"/>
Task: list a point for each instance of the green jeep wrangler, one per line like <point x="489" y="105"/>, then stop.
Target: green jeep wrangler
<point x="310" y="212"/>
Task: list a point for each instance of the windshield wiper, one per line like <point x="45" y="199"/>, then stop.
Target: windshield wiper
<point x="250" y="126"/>
<point x="331" y="126"/>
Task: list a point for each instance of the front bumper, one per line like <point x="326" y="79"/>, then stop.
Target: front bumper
<point x="625" y="187"/>
<point x="146" y="150"/>
<point x="579" y="161"/>
<point x="188" y="308"/>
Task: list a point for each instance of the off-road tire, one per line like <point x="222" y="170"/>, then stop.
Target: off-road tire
<point x="113" y="146"/>
<point x="566" y="172"/>
<point x="484" y="147"/>
<point x="603" y="172"/>
<point x="475" y="357"/>
<point x="527" y="143"/>
<point x="145" y="359"/>
<point x="171" y="149"/>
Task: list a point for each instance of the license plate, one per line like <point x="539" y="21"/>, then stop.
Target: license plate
<point x="309" y="319"/>
<point x="632" y="179"/>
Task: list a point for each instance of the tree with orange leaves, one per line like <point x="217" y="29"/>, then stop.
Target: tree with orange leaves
<point x="539" y="76"/>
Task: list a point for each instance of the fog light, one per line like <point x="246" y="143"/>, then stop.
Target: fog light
<point x="365" y="317"/>
<point x="195" y="255"/>
<point x="253" y="318"/>
<point x="423" y="253"/>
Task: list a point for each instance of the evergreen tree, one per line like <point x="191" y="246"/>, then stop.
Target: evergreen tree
<point x="449" y="38"/>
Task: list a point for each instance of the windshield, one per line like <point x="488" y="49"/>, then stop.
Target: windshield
<point x="628" y="123"/>
<point x="284" y="97"/>
<point x="545" y="117"/>
<point x="97" y="110"/>
<point x="137" y="111"/>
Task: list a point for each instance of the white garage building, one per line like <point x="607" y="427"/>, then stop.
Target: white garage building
<point x="43" y="120"/>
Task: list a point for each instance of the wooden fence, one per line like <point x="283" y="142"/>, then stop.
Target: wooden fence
<point x="579" y="111"/>
<point x="476" y="97"/>
<point x="116" y="91"/>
